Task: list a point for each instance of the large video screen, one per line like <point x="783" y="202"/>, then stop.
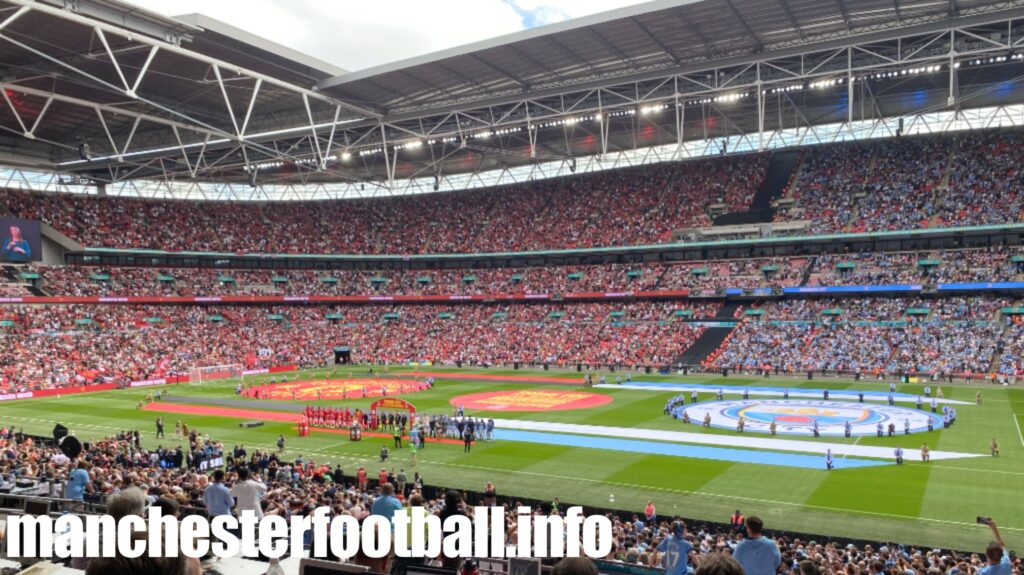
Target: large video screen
<point x="20" y="240"/>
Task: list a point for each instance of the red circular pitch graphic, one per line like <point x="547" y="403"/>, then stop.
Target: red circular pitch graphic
<point x="531" y="400"/>
<point x="320" y="389"/>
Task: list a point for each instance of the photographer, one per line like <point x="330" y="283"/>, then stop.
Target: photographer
<point x="996" y="554"/>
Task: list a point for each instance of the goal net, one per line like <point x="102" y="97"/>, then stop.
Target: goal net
<point x="207" y="373"/>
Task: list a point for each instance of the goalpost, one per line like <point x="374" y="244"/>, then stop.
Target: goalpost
<point x="233" y="372"/>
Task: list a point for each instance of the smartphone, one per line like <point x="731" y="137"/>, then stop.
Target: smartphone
<point x="984" y="520"/>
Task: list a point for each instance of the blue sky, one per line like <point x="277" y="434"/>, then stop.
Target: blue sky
<point x="356" y="35"/>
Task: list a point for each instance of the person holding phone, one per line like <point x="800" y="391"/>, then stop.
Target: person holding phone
<point x="995" y="553"/>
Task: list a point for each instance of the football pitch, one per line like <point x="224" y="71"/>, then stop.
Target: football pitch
<point x="619" y="460"/>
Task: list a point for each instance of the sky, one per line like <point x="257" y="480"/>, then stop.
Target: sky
<point x="358" y="34"/>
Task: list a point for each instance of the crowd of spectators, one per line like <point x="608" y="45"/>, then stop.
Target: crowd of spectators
<point x="623" y="207"/>
<point x="985" y="180"/>
<point x="709" y="276"/>
<point x="890" y="336"/>
<point x="90" y="281"/>
<point x="127" y="477"/>
<point x="904" y="183"/>
<point x="873" y="186"/>
<point x="910" y="183"/>
<point x="932" y="267"/>
<point x="52" y="346"/>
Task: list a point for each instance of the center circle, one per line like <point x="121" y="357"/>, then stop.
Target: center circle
<point x="798" y="417"/>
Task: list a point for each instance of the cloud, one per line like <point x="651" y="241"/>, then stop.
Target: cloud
<point x="358" y="35"/>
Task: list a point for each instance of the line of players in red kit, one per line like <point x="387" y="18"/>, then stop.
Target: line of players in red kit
<point x="335" y="416"/>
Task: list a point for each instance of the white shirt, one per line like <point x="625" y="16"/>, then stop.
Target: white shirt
<point x="247" y="497"/>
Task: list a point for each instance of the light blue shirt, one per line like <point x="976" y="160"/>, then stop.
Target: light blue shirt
<point x="385" y="506"/>
<point x="677" y="552"/>
<point x="77" y="481"/>
<point x="1003" y="568"/>
<point x="218" y="500"/>
<point x="758" y="556"/>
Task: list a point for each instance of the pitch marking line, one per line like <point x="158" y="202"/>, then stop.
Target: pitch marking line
<point x="1016" y="421"/>
<point x="739" y="441"/>
<point x="620" y="484"/>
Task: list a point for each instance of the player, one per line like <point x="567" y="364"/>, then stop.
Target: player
<point x="817" y="431"/>
<point x="847" y="428"/>
<point x="919" y="403"/>
<point x="899" y="456"/>
<point x="906" y="427"/>
<point x="828" y="460"/>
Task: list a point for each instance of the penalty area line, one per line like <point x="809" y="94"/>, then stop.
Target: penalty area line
<point x="1016" y="421"/>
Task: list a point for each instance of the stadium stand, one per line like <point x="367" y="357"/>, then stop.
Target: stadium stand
<point x="622" y="207"/>
<point x="732" y="253"/>
<point x="951" y="337"/>
<point x="118" y="469"/>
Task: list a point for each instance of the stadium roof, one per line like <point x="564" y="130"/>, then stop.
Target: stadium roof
<point x="102" y="92"/>
<point x="649" y="38"/>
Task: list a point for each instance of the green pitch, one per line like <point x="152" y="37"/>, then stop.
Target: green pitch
<point x="920" y="503"/>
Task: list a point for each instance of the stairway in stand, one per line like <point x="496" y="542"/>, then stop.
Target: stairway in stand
<point x="711" y="339"/>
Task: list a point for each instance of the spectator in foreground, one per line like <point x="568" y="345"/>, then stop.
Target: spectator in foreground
<point x="757" y="554"/>
<point x="718" y="564"/>
<point x="676" y="550"/>
<point x="247" y="494"/>
<point x="575" y="566"/>
<point x="216" y="497"/>
<point x="387" y="504"/>
<point x="996" y="554"/>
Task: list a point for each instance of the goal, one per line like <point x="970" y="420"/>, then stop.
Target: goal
<point x="207" y="373"/>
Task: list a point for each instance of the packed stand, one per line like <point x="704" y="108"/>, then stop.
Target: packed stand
<point x="945" y="266"/>
<point x="56" y="346"/>
<point x="985" y="180"/>
<point x="621" y="207"/>
<point x="127" y="478"/>
<point x="957" y="336"/>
